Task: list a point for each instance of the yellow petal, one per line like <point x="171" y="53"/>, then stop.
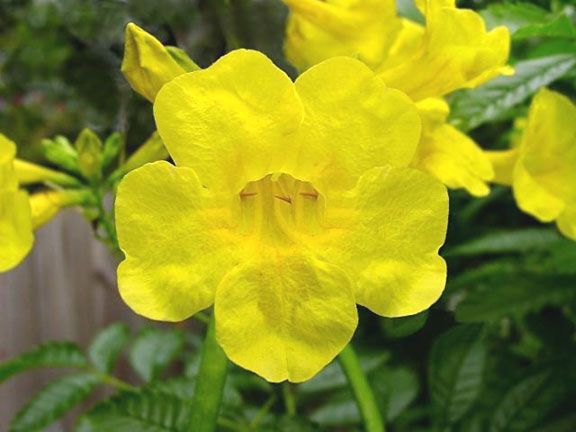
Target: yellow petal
<point x="16" y="236"/>
<point x="352" y="123"/>
<point x="173" y="234"/>
<point x="534" y="199"/>
<point x="503" y="162"/>
<point x="46" y="204"/>
<point x="231" y="121"/>
<point x="567" y="222"/>
<point x="30" y="173"/>
<point x="8" y="179"/>
<point x="386" y="233"/>
<point x="448" y="154"/>
<point x="456" y="52"/>
<point x="147" y="64"/>
<point x="284" y="316"/>
<point x="548" y="149"/>
<point x="317" y="30"/>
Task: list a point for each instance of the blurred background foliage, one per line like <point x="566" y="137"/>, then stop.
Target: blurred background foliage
<point x="497" y="353"/>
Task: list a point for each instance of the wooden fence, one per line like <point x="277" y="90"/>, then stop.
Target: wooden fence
<point x="65" y="290"/>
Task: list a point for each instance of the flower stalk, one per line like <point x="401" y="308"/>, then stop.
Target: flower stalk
<point x="209" y="384"/>
<point x="363" y="393"/>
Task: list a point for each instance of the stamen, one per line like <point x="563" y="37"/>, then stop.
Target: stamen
<point x="309" y="194"/>
<point x="247" y="194"/>
<point x="283" y="198"/>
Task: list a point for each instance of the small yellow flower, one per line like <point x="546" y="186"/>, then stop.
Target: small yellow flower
<point x="16" y="236"/>
<point x="451" y="52"/>
<point x="448" y="154"/>
<point x="289" y="203"/>
<point x="542" y="166"/>
<point x="148" y="65"/>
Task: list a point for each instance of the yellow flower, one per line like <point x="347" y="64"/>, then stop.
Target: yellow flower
<point x="455" y="52"/>
<point x="451" y="52"/>
<point x="289" y="203"/>
<point x="15" y="221"/>
<point x="148" y="65"/>
<point x="448" y="154"/>
<point x="542" y="166"/>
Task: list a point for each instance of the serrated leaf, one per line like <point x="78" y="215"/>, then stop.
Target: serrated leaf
<point x="515" y="294"/>
<point x="146" y="411"/>
<point x="494" y="100"/>
<point x="456" y="368"/>
<point x="107" y="345"/>
<point x="524" y="240"/>
<point x="51" y="354"/>
<point x="183" y="388"/>
<point x="527" y="403"/>
<point x="153" y="350"/>
<point x="53" y="401"/>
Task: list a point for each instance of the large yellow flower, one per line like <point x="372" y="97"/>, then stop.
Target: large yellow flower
<point x="289" y="203"/>
<point x="15" y="218"/>
<point x="542" y="167"/>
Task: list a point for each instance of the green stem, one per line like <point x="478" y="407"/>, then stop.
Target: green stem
<point x="289" y="400"/>
<point x="209" y="384"/>
<point x="373" y="421"/>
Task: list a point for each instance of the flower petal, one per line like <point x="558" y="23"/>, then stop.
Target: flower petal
<point x="567" y="222"/>
<point x="533" y="198"/>
<point x="352" y="123"/>
<point x="386" y="233"/>
<point x="16" y="235"/>
<point x="8" y="178"/>
<point x="229" y="122"/>
<point x="456" y="52"/>
<point x="284" y="316"/>
<point x="319" y="29"/>
<point x="548" y="150"/>
<point x="450" y="155"/>
<point x="176" y="240"/>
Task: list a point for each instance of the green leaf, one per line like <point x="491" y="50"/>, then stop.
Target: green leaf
<point x="525" y="20"/>
<point x="403" y="326"/>
<point x="52" y="402"/>
<point x="528" y="402"/>
<point x="51" y="354"/>
<point x="513" y="294"/>
<point x="153" y="350"/>
<point x="456" y="368"/>
<point x="183" y="388"/>
<point x="494" y="100"/>
<point x="514" y="15"/>
<point x="560" y="27"/>
<point x="145" y="411"/>
<point x="520" y="241"/>
<point x="107" y="345"/>
<point x="395" y="389"/>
